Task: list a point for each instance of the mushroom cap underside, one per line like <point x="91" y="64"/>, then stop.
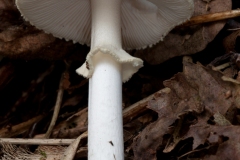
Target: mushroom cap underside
<point x="144" y="23"/>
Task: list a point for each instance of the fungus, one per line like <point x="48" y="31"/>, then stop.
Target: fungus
<point x="107" y="26"/>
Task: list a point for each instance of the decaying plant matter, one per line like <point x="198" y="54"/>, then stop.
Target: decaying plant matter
<point x="193" y="115"/>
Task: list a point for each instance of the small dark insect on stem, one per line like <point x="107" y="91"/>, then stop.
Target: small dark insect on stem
<point x="111" y="143"/>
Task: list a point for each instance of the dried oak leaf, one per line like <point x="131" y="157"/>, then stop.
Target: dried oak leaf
<point x="198" y="89"/>
<point x="210" y="87"/>
<point x="227" y="137"/>
<point x="169" y="106"/>
<point x="188" y="40"/>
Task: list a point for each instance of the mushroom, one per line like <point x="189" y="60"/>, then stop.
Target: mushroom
<point x="113" y="25"/>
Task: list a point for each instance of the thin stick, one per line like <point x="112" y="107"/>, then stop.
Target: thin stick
<point x="234" y="29"/>
<point x="220" y="67"/>
<point x="211" y="17"/>
<point x="36" y="141"/>
<point x="56" y="108"/>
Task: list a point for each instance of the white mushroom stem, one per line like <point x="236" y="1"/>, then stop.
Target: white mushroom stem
<point x="105" y="140"/>
<point x="106" y="23"/>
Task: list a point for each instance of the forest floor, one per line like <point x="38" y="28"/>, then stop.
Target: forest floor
<point x="183" y="104"/>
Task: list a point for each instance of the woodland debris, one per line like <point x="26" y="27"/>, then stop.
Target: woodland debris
<point x="21" y="153"/>
<point x="46" y="149"/>
<point x="229" y="42"/>
<point x="72" y="148"/>
<point x="139" y="107"/>
<point x="19" y="128"/>
<point x="34" y="141"/>
<point x="198" y="92"/>
<point x="212" y="17"/>
<point x="64" y="129"/>
<point x="206" y="130"/>
<point x="58" y="104"/>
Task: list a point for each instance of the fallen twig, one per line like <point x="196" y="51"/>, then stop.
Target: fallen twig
<point x="211" y="17"/>
<point x="48" y="148"/>
<point x="220" y="67"/>
<point x="57" y="107"/>
<point x="36" y="141"/>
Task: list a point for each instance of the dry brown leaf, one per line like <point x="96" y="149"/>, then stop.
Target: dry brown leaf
<point x="132" y="128"/>
<point x="169" y="107"/>
<point x="227" y="137"/>
<point x="199" y="90"/>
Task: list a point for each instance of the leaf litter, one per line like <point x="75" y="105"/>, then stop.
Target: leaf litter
<point x="196" y="115"/>
<point x="198" y="107"/>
